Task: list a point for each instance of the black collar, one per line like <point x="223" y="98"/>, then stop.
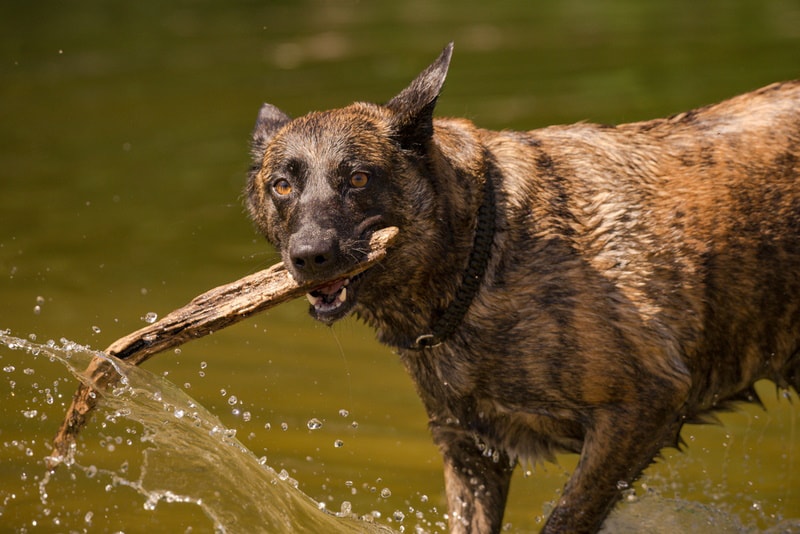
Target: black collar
<point x="451" y="318"/>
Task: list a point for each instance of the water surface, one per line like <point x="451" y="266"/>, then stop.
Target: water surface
<point x="122" y="159"/>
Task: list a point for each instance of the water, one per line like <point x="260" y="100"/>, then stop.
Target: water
<point x="152" y="455"/>
<point x="123" y="153"/>
<point x="149" y="446"/>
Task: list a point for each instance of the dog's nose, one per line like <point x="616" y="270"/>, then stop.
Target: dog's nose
<point x="312" y="258"/>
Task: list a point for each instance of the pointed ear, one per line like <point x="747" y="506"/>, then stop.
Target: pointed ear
<point x="270" y="120"/>
<point x="413" y="107"/>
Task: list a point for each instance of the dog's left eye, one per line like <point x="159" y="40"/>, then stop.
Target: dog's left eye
<point x="282" y="187"/>
<point x="359" y="179"/>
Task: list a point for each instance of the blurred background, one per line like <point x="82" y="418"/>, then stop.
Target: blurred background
<point x="124" y="130"/>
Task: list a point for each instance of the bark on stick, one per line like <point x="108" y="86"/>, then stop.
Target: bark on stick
<point x="205" y="314"/>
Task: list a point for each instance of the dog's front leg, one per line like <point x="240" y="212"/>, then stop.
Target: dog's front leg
<point x="476" y="481"/>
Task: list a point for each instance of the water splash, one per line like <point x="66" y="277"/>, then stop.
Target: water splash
<point x="151" y="448"/>
<point x="147" y="437"/>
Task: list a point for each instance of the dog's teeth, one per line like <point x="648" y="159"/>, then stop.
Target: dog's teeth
<point x="343" y="295"/>
<point x="311" y="299"/>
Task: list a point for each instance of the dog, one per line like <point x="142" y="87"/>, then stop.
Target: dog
<point x="585" y="288"/>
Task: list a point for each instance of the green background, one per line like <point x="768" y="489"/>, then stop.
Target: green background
<point x="124" y="130"/>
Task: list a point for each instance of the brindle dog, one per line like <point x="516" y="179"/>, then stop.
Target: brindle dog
<point x="579" y="288"/>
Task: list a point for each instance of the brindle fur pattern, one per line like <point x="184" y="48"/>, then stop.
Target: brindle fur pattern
<point x="641" y="276"/>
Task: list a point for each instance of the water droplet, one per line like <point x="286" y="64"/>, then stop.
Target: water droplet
<point x="284" y="426"/>
<point x="30" y="414"/>
<point x="96" y="329"/>
<point x="283" y="475"/>
<point x="314" y="424"/>
<point x="386" y="493"/>
<point x="28" y="371"/>
<point x="179" y="413"/>
<point x="622" y="485"/>
<point x="246" y="416"/>
<point x="338" y="443"/>
<point x="150" y="503"/>
<point x="398" y="516"/>
<point x="203" y="365"/>
<point x="343" y="412"/>
<point x="150" y="317"/>
<point x="232" y="400"/>
<point x="9" y="368"/>
<point x="37" y="310"/>
<point x="346" y="508"/>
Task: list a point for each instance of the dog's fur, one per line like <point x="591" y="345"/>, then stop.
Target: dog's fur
<point x="640" y="276"/>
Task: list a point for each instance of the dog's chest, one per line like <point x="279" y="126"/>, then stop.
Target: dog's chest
<point x="499" y="413"/>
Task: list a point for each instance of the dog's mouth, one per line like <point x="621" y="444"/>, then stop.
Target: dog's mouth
<point x="333" y="300"/>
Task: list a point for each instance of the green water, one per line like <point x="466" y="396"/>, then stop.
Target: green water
<point x="123" y="149"/>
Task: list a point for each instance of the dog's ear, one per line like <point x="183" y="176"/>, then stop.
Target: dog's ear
<point x="413" y="107"/>
<point x="270" y="120"/>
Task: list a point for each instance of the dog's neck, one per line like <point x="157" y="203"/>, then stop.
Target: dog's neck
<point x="430" y="308"/>
<point x="448" y="322"/>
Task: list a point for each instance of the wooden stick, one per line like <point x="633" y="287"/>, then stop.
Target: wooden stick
<point x="205" y="314"/>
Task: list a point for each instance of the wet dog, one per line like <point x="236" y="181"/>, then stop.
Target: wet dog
<point x="579" y="288"/>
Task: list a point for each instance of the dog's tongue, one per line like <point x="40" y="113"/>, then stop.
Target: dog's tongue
<point x="331" y="287"/>
<point x="332" y="293"/>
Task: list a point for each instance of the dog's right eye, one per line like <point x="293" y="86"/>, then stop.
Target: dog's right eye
<point x="359" y="179"/>
<point x="282" y="187"/>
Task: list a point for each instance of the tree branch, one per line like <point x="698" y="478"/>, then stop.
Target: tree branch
<point x="205" y="314"/>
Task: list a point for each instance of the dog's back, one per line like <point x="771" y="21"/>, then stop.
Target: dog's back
<point x="690" y="224"/>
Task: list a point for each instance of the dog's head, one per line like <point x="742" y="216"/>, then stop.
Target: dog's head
<point x="322" y="183"/>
